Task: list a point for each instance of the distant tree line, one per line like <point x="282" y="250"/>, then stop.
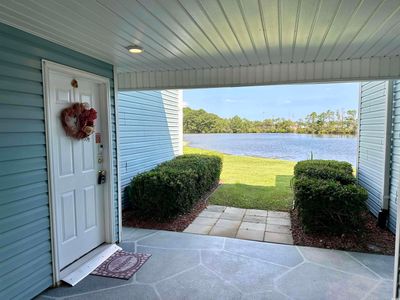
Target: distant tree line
<point x="328" y="122"/>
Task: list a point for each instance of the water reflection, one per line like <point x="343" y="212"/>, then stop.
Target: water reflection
<point x="287" y="146"/>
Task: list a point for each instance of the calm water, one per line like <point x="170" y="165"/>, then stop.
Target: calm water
<point x="279" y="145"/>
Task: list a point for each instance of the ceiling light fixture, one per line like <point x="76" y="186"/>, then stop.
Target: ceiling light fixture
<point x="135" y="49"/>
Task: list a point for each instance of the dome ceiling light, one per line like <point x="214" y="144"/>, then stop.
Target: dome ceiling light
<point x="135" y="49"/>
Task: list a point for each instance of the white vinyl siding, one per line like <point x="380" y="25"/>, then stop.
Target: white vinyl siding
<point x="150" y="130"/>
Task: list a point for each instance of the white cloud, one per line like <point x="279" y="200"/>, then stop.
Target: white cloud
<point x="184" y="103"/>
<point x="229" y="100"/>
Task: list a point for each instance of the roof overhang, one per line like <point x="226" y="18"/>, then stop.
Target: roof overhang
<point x="211" y="43"/>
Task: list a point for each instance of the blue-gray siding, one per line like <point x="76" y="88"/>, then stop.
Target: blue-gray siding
<point x="25" y="252"/>
<point x="150" y="131"/>
<point x="395" y="157"/>
<point x="372" y="114"/>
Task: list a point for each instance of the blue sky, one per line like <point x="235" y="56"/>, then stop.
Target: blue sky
<point x="286" y="101"/>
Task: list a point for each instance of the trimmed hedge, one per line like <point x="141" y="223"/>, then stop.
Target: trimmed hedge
<point x="326" y="169"/>
<point x="328" y="206"/>
<point x="327" y="197"/>
<point x="173" y="187"/>
<point x="343" y="166"/>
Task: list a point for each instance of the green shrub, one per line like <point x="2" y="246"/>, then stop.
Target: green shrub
<point x="327" y="196"/>
<point x="207" y="167"/>
<point x="173" y="187"/>
<point x="325" y="169"/>
<point x="329" y="206"/>
<point x="320" y="163"/>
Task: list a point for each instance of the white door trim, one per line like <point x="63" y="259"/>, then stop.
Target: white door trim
<point x="109" y="209"/>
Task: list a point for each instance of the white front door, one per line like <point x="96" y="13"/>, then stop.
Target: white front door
<point x="79" y="199"/>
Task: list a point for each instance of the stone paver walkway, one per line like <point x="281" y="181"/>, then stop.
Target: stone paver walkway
<point x="247" y="224"/>
<point x="192" y="266"/>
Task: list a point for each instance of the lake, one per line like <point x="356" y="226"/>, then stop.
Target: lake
<point x="286" y="146"/>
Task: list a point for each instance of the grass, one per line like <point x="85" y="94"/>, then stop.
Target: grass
<point x="252" y="182"/>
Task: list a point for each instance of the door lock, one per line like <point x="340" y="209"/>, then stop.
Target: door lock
<point x="101" y="177"/>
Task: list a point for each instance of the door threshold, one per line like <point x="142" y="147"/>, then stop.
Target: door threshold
<point x="87" y="264"/>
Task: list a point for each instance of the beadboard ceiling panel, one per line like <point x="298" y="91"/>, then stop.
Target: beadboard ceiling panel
<point x="179" y="35"/>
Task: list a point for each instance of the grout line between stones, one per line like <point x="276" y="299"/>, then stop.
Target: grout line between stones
<point x="361" y="263"/>
<point x="146" y="236"/>
<point x="371" y="291"/>
<point x="256" y="259"/>
<point x="187" y="249"/>
<point x="287" y="271"/>
<point x="223" y="279"/>
<point x="100" y="290"/>
<point x="342" y="271"/>
<point x="156" y="291"/>
<point x="176" y="274"/>
<point x="40" y="296"/>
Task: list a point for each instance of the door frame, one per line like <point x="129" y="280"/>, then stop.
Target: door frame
<point x="105" y="105"/>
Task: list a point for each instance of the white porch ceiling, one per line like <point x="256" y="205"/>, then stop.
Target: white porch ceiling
<point x="193" y="38"/>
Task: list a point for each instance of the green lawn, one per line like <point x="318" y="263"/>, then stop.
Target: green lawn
<point x="252" y="182"/>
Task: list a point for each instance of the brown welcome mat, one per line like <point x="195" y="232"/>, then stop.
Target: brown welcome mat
<point x="121" y="265"/>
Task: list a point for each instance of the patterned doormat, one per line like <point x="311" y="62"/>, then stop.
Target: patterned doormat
<point x="121" y="265"/>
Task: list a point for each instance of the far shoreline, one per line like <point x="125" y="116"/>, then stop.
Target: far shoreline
<point x="313" y="134"/>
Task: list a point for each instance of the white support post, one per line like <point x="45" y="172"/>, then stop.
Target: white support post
<point x="180" y="107"/>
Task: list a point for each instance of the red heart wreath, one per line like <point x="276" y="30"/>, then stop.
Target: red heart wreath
<point x="78" y="120"/>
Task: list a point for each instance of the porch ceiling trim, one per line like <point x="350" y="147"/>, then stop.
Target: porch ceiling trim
<point x="328" y="71"/>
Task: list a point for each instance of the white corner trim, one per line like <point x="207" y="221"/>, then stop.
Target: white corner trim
<point x="396" y="283"/>
<point x="116" y="109"/>
<point x="358" y="129"/>
<point x="52" y="208"/>
<point x="387" y="144"/>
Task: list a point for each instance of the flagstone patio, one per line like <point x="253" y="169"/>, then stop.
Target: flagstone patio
<point x="191" y="266"/>
<point x="247" y="224"/>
